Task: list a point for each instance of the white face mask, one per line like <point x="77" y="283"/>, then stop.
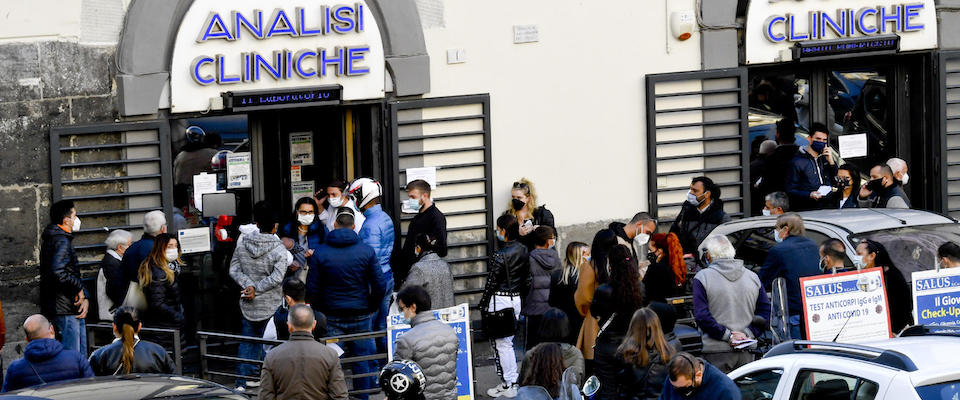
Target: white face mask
<point x="335" y="201"/>
<point x="171" y="254"/>
<point x="765" y="212"/>
<point x="906" y="178"/>
<point x="641" y="239"/>
<point x="692" y="199"/>
<point x="76" y="224"/>
<point x="857" y="261"/>
<point x="305" y="219"/>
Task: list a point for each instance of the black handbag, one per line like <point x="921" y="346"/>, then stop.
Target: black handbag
<point x="502" y="323"/>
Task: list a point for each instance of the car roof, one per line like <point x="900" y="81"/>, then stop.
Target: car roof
<point x="935" y="356"/>
<point x="127" y="387"/>
<point x="859" y="220"/>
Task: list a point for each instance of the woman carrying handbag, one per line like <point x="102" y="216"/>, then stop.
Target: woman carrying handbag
<point x="507" y="282"/>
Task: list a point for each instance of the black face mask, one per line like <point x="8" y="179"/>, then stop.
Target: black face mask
<point x="652" y="257"/>
<point x="875" y="185"/>
<point x="687" y="391"/>
<point x="517" y="204"/>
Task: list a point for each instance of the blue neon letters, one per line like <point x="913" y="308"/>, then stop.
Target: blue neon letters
<point x="314" y="62"/>
<point x="867" y="21"/>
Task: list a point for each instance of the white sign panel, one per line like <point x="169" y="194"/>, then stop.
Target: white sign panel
<point x="852" y="305"/>
<point x="203" y="183"/>
<point x="853" y="146"/>
<point x="301" y="148"/>
<point x="238" y="170"/>
<point x="774" y="27"/>
<point x="936" y="297"/>
<point x="244" y="45"/>
<point x="428" y="174"/>
<point x="458" y="318"/>
<point x="300" y="189"/>
<point x="196" y="240"/>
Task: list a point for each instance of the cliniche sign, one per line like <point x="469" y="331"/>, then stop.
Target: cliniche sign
<point x="258" y="45"/>
<point x="773" y="27"/>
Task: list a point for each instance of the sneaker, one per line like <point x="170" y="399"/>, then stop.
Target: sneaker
<point x="240" y="389"/>
<point x="503" y="390"/>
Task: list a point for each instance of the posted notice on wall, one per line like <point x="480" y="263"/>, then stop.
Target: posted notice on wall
<point x="458" y="318"/>
<point x="300" y="189"/>
<point x="296" y="173"/>
<point x="238" y="170"/>
<point x="195" y="240"/>
<point x="428" y="174"/>
<point x="301" y="148"/>
<point x="853" y="146"/>
<point x="936" y="297"/>
<point x="203" y="183"/>
<point x="851" y="304"/>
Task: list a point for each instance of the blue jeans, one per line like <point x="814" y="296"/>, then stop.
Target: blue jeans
<point x="796" y="333"/>
<point x="338" y="326"/>
<point x="250" y="351"/>
<point x="380" y="319"/>
<point x="73" y="332"/>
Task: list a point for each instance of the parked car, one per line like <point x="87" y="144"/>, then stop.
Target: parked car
<point x="900" y="368"/>
<point x="127" y="387"/>
<point x="911" y="236"/>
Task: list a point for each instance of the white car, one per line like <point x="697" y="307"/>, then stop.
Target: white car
<point x="924" y="367"/>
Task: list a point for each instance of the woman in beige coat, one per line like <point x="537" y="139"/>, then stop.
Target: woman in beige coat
<point x="590" y="278"/>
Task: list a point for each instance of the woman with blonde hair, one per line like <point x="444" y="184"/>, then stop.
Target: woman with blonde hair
<point x="128" y="354"/>
<point x="523" y="205"/>
<point x="563" y="286"/>
<point x="158" y="278"/>
<point x="667" y="272"/>
<point x="645" y="353"/>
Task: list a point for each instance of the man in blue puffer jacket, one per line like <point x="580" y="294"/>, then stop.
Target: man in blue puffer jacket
<point x="44" y="360"/>
<point x="377" y="232"/>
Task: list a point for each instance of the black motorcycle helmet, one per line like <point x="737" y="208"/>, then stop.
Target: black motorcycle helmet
<point x="402" y="380"/>
<point x="195" y="134"/>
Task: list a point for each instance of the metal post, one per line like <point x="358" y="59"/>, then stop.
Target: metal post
<point x="177" y="351"/>
<point x="203" y="356"/>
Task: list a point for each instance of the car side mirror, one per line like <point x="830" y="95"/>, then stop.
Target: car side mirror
<point x="591" y="386"/>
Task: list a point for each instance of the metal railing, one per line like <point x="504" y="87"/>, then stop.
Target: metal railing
<point x="176" y="354"/>
<point x="225" y="338"/>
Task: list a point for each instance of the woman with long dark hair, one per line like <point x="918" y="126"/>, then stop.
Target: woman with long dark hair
<point x="645" y="353"/>
<point x="563" y="286"/>
<point x="899" y="298"/>
<point x="158" y="278"/>
<point x="613" y="305"/>
<point x="667" y="272"/>
<point x="307" y="232"/>
<point x="128" y="354"/>
<point x="848" y="187"/>
<point x="546" y="368"/>
<point x="590" y="278"/>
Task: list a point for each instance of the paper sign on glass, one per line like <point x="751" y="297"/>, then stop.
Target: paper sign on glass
<point x="196" y="240"/>
<point x="852" y="146"/>
<point x="428" y="174"/>
<point x="301" y="148"/>
<point x="238" y="170"/>
<point x="203" y="183"/>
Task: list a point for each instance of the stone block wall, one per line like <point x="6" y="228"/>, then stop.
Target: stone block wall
<point x="42" y="85"/>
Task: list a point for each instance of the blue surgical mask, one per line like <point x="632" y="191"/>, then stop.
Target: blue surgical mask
<point x="586" y="258"/>
<point x="412" y="204"/>
<point x="692" y="199"/>
<point x="500" y="237"/>
<point x="818" y="146"/>
<point x="776" y="235"/>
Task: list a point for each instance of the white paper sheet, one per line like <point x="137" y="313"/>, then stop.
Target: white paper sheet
<point x="428" y="174"/>
<point x="301" y="148"/>
<point x="196" y="240"/>
<point x="852" y="146"/>
<point x="824" y="190"/>
<point x="203" y="183"/>
<point x="300" y="189"/>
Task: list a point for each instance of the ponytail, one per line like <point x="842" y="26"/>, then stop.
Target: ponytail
<point x="126" y="321"/>
<point x="128" y="342"/>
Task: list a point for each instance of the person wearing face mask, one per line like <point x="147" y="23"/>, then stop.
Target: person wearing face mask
<point x="693" y="378"/>
<point x="159" y="278"/>
<point x="948" y="255"/>
<point x="428" y="220"/>
<point x="111" y="287"/>
<point x="899" y="298"/>
<point x="62" y="295"/>
<point x="831" y="256"/>
<point x="667" y="272"/>
<point x="431" y="272"/>
<point x="883" y="190"/>
<point x="563" y="286"/>
<point x="700" y="214"/>
<point x="523" y="206"/>
<point x="307" y="232"/>
<point x="899" y="168"/>
<point x="430" y="343"/>
<point x="635" y="235"/>
<point x="543" y="261"/>
<point x="334" y="197"/>
<point x="776" y="203"/>
<point x="258" y="266"/>
<point x="812" y="172"/>
<point x="793" y="257"/>
<point x="848" y="188"/>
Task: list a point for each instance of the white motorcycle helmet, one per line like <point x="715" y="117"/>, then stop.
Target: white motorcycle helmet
<point x="363" y="190"/>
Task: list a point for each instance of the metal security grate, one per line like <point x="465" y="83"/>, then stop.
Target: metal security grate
<point x="697" y="125"/>
<point x="950" y="131"/>
<point x="114" y="173"/>
<point x="451" y="134"/>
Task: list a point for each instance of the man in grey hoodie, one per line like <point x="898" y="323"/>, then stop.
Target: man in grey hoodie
<point x="543" y="261"/>
<point x="726" y="298"/>
<point x="258" y="266"/>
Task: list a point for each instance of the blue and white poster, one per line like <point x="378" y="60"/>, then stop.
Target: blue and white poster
<point x="458" y="317"/>
<point x="848" y="307"/>
<point x="936" y="297"/>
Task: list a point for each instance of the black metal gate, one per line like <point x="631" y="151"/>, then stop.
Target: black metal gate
<point x="697" y="126"/>
<point x="451" y="134"/>
<point x="949" y="84"/>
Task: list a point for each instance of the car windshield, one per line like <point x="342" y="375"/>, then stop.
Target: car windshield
<point x="940" y="391"/>
<point x="913" y="248"/>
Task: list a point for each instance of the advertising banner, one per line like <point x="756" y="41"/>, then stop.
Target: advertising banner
<point x="458" y="317"/>
<point x="936" y="297"/>
<point x="850" y="307"/>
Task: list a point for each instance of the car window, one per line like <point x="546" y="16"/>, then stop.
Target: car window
<point x="759" y="385"/>
<point x="940" y="391"/>
<point x="821" y="385"/>
<point x="754" y="247"/>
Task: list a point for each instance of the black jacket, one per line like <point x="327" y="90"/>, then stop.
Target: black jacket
<point x="806" y="174"/>
<point x="117" y="285"/>
<point x="60" y="280"/>
<point x="541" y="216"/>
<point x="607" y="365"/>
<point x="775" y="168"/>
<point x="899" y="298"/>
<point x="659" y="282"/>
<point x="148" y="358"/>
<point x="561" y="296"/>
<point x="283" y="333"/>
<point x="163" y="301"/>
<point x="692" y="226"/>
<point x="617" y="229"/>
<point x="430" y="221"/>
<point x="643" y="383"/>
<point x="512" y="259"/>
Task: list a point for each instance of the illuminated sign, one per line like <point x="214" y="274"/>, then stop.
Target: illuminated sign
<point x="866" y="21"/>
<point x="267" y="99"/>
<point x="834" y="48"/>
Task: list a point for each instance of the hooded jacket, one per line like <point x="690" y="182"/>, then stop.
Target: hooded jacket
<point x="45" y="361"/>
<point x="433" y="346"/>
<point x="726" y="297"/>
<point x="542" y="264"/>
<point x="60" y="280"/>
<point x="692" y="225"/>
<point x="148" y="358"/>
<point x="260" y="261"/>
<point x="377" y="232"/>
<point x="345" y="278"/>
<point x="434" y="275"/>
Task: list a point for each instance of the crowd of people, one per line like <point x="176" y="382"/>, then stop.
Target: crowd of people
<point x="596" y="309"/>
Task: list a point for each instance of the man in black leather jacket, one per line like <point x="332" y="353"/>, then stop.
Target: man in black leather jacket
<point x="62" y="297"/>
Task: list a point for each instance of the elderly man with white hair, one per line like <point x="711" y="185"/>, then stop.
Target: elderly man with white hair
<point x="154" y="223"/>
<point x="899" y="168"/>
<point x="726" y="298"/>
<point x="111" y="286"/>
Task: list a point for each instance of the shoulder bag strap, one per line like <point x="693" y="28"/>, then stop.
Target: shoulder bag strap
<point x="43" y="382"/>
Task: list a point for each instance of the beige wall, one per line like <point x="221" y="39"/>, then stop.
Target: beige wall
<point x="567" y="111"/>
<point x="88" y="21"/>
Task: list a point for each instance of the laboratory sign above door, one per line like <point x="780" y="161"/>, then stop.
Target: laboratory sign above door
<point x="242" y="45"/>
<point x="773" y="28"/>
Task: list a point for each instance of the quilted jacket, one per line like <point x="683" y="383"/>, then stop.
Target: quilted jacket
<point x="433" y="346"/>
